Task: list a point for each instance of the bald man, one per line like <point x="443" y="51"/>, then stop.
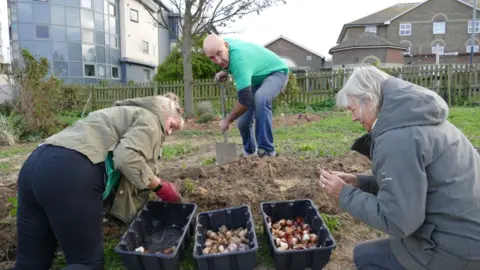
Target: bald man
<point x="260" y="75"/>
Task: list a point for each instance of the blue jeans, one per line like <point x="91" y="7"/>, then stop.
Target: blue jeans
<point x="375" y="255"/>
<point x="261" y="111"/>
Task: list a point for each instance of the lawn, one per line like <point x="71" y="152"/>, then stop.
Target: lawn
<point x="301" y="145"/>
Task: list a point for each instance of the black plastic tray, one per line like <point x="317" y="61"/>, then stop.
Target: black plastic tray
<point x="172" y="225"/>
<point x="233" y="218"/>
<point x="313" y="258"/>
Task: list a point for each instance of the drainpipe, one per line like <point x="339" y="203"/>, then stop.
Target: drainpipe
<point x="474" y="23"/>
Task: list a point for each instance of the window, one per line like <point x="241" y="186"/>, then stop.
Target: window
<point x="477" y="27"/>
<point x="475" y="48"/>
<point x="145" y="47"/>
<point x="57" y="15"/>
<point x="101" y="71"/>
<point x="113" y="42"/>
<point x="133" y="15"/>
<point x="407" y="51"/>
<point x="405" y="29"/>
<point x="42" y="31"/>
<point x="114" y="72"/>
<point x="441" y="49"/>
<point x="146" y="75"/>
<point x="111" y="10"/>
<point x="371" y="29"/>
<point x="89" y="70"/>
<point x="87" y="36"/>
<point x="86" y="3"/>
<point x="439" y="28"/>
<point x="309" y="58"/>
<point x="87" y="18"/>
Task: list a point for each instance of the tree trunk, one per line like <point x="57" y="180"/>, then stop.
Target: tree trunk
<point x="187" y="61"/>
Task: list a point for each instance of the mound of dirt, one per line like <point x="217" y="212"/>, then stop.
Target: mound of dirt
<point x="253" y="180"/>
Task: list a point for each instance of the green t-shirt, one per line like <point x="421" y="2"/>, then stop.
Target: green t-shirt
<point x="250" y="63"/>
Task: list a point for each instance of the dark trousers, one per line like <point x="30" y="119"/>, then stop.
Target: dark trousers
<point x="375" y="255"/>
<point x="60" y="199"/>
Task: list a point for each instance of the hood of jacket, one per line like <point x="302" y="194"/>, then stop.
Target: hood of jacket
<point x="158" y="105"/>
<point x="405" y="104"/>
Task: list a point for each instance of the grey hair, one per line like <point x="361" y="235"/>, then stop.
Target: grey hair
<point x="364" y="83"/>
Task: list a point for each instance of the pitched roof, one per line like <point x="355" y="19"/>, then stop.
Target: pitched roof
<point x="381" y="17"/>
<point x="294" y="43"/>
<point x="384" y="15"/>
<point x="367" y="40"/>
<point x="470" y="3"/>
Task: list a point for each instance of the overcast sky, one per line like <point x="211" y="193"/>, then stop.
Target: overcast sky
<point x="314" y="24"/>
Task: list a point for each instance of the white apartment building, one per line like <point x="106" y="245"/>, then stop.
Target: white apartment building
<point x="143" y="45"/>
<point x="4" y="33"/>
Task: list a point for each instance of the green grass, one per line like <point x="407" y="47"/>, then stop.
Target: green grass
<point x="468" y="121"/>
<point x="15" y="150"/>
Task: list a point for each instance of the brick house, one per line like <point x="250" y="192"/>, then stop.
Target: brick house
<point x="298" y="57"/>
<point x="420" y="27"/>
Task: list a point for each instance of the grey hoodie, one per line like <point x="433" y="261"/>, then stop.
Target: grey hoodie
<point x="424" y="190"/>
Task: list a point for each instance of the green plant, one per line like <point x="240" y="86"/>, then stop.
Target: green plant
<point x="189" y="186"/>
<point x="14" y="202"/>
<point x="291" y="90"/>
<point x="37" y="97"/>
<point x="205" y="118"/>
<point x="8" y="135"/>
<point x="332" y="222"/>
<point x="209" y="161"/>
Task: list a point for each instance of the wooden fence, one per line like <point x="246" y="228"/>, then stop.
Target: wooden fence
<point x="458" y="85"/>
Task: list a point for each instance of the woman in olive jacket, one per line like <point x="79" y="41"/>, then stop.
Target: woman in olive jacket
<point x="61" y="184"/>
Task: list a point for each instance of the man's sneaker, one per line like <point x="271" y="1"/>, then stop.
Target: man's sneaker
<point x="246" y="154"/>
<point x="262" y="153"/>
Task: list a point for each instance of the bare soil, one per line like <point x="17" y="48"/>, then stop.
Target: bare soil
<point x="278" y="121"/>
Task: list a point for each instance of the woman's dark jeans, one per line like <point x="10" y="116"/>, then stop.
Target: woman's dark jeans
<point x="60" y="199"/>
<point x="375" y="255"/>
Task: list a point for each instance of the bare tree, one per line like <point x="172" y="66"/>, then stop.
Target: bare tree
<point x="198" y="17"/>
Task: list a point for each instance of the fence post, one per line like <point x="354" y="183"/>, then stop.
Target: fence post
<point x="449" y="85"/>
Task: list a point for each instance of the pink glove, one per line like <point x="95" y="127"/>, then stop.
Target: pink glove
<point x="169" y="192"/>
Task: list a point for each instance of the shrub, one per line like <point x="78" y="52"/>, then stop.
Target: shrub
<point x="8" y="134"/>
<point x="37" y="97"/>
<point x="291" y="89"/>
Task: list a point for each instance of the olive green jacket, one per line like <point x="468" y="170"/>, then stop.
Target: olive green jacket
<point x="133" y="130"/>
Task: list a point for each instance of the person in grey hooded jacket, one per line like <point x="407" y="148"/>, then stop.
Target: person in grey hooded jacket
<point x="424" y="191"/>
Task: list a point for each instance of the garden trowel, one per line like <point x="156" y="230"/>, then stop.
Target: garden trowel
<point x="225" y="151"/>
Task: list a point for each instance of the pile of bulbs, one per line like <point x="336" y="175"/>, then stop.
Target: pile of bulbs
<point x="225" y="241"/>
<point x="292" y="234"/>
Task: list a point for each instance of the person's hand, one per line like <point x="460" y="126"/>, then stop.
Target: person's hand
<point x="332" y="183"/>
<point x="349" y="178"/>
<point x="169" y="192"/>
<point x="224" y="125"/>
<point x="221" y="76"/>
